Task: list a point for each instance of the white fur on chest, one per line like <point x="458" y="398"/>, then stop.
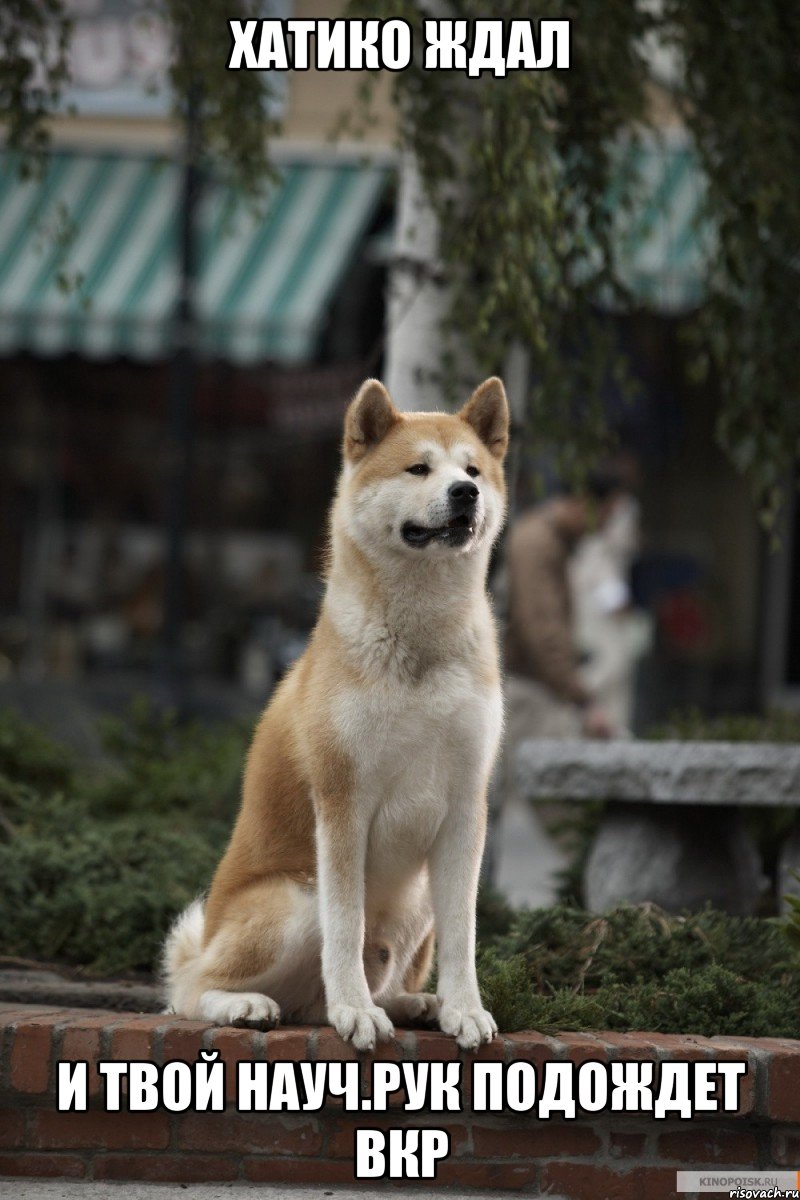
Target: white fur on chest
<point x="416" y="750"/>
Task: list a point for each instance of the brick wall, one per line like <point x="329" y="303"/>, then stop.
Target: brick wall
<point x="607" y="1157"/>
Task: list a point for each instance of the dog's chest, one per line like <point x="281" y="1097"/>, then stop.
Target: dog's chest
<point x="391" y="731"/>
<point x="416" y="750"/>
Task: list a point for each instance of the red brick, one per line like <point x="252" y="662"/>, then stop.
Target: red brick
<point x="330" y="1047"/>
<point x="10" y="1013"/>
<point x="746" y="1083"/>
<point x="235" y="1046"/>
<point x="547" y="1140"/>
<point x="581" y="1047"/>
<point x="289" y="1045"/>
<point x="183" y="1040"/>
<point x="51" y="1166"/>
<point x="631" y="1047"/>
<point x="12" y="1129"/>
<point x="688" y="1047"/>
<point x="626" y="1145"/>
<point x="508" y="1176"/>
<point x="166" y="1168"/>
<point x="709" y="1147"/>
<point x="100" y="1131"/>
<point x="784" y="1083"/>
<point x="402" y="1044"/>
<point x="395" y="1051"/>
<point x="435" y="1047"/>
<point x="659" y="1183"/>
<point x="132" y="1040"/>
<point x="267" y="1133"/>
<point x="747" y="1046"/>
<point x="31" y="1053"/>
<point x="580" y="1181"/>
<point x="785" y="1147"/>
<point x="496" y="1053"/>
<point x="757" y="1053"/>
<point x="342" y="1132"/>
<point x="81" y="1043"/>
<point x="78" y="1016"/>
<point x="493" y="1051"/>
<point x="298" y="1170"/>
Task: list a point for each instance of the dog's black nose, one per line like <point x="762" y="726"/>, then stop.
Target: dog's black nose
<point x="462" y="494"/>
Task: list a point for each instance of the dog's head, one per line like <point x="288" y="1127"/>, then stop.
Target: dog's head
<point x="427" y="484"/>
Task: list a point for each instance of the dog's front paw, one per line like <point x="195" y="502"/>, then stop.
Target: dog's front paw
<point x="469" y="1025"/>
<point x="361" y="1026"/>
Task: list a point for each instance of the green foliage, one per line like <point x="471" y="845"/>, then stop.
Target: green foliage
<point x="519" y="171"/>
<point x="692" y="725"/>
<point x="495" y="915"/>
<point x="710" y="1002"/>
<point x="742" y="105"/>
<point x="566" y="947"/>
<point x="233" y="106"/>
<point x="32" y="33"/>
<point x="163" y="766"/>
<point x="100" y="894"/>
<point x="27" y="754"/>
<point x="792" y="922"/>
<point x="95" y="862"/>
<point x="637" y="968"/>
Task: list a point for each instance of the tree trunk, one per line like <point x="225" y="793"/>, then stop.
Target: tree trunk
<point x="417" y="300"/>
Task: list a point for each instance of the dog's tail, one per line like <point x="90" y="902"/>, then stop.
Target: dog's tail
<point x="182" y="950"/>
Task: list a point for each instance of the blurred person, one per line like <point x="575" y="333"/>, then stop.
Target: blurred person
<point x="547" y="695"/>
<point x="611" y="634"/>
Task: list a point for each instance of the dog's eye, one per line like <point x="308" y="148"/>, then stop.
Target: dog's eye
<point x="472" y="471"/>
<point x="419" y="469"/>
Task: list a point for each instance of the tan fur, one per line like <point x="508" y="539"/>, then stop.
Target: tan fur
<point x="420" y="969"/>
<point x="301" y="782"/>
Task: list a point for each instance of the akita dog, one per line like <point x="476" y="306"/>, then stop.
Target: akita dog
<point x="364" y="799"/>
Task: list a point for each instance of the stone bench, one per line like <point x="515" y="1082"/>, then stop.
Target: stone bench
<point x="672" y="832"/>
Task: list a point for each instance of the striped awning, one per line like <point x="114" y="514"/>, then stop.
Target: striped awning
<point x="663" y="245"/>
<point x="89" y="257"/>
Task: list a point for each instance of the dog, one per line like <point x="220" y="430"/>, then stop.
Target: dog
<point x="363" y="812"/>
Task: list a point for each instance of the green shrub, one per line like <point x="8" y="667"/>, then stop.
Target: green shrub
<point x="30" y="756"/>
<point x="100" y="894"/>
<point x="638" y="968"/>
<point x="567" y="947"/>
<point x="95" y="863"/>
<point x="692" y="725"/>
<point x="709" y="1002"/>
<point x="160" y="765"/>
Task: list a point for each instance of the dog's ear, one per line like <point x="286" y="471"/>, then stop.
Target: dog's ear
<point x="369" y="418"/>
<point x="487" y="412"/>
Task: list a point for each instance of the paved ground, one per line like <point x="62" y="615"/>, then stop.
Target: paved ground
<point x="34" y="1189"/>
<point x="526" y="857"/>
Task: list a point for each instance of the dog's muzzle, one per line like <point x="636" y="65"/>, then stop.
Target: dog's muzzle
<point x="462" y="498"/>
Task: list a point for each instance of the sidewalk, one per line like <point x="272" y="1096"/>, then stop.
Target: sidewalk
<point x="57" y="1189"/>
